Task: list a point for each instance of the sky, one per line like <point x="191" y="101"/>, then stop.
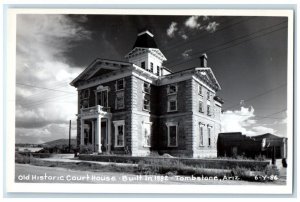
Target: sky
<point x="248" y="56"/>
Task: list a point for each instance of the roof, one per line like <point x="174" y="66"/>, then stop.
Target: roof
<point x="97" y="64"/>
<point x="145" y="40"/>
<point x="267" y="135"/>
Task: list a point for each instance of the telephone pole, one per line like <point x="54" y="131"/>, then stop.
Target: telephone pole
<point x="70" y="136"/>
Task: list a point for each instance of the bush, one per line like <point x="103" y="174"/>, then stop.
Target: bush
<point x="271" y="170"/>
<point x="87" y="149"/>
<point x="23" y="158"/>
<point x="260" y="158"/>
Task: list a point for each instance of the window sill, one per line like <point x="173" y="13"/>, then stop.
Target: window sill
<point x="146" y="146"/>
<point x="117" y="90"/>
<point x="148" y="93"/>
<point x="172" y="110"/>
<point x="119" y="146"/>
<point x="172" y="146"/>
<point x="146" y="110"/>
<point x="172" y="93"/>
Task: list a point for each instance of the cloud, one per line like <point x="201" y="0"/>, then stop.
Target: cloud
<point x="42" y="41"/>
<point x="205" y="18"/>
<point x="190" y="25"/>
<point x="212" y="27"/>
<point x="263" y="129"/>
<point x="172" y="29"/>
<point x="186" y="53"/>
<point x="184" y="36"/>
<point x="244" y="121"/>
<point x="192" y="22"/>
<point x="237" y="121"/>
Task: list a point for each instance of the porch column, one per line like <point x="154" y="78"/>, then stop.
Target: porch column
<point x="98" y="124"/>
<point x="108" y="135"/>
<point x="93" y="134"/>
<point x="82" y="131"/>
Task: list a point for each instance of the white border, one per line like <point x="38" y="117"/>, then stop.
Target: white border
<point x="11" y="186"/>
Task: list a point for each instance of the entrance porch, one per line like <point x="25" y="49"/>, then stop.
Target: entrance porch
<point x="95" y="124"/>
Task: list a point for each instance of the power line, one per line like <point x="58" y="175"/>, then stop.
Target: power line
<point x="50" y="89"/>
<point x="236" y="39"/>
<point x="264" y="117"/>
<point x="40" y="102"/>
<point x="258" y="95"/>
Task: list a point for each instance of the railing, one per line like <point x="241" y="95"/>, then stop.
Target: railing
<point x="94" y="110"/>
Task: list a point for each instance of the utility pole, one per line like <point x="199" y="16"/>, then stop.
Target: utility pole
<point x="70" y="137"/>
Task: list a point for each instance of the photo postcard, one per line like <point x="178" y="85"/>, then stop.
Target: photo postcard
<point x="178" y="101"/>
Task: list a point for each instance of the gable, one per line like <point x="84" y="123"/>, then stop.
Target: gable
<point x="207" y="75"/>
<point x="100" y="67"/>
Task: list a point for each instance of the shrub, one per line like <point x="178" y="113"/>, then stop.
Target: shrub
<point x="271" y="170"/>
<point x="23" y="158"/>
<point x="260" y="158"/>
<point x="239" y="171"/>
<point x="87" y="149"/>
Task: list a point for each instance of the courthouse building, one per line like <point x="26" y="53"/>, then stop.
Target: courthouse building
<point x="138" y="106"/>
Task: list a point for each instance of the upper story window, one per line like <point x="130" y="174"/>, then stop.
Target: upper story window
<point x="151" y="66"/>
<point x="200" y="90"/>
<point x="201" y="106"/>
<point x="85" y="94"/>
<point x="209" y="110"/>
<point x="143" y="65"/>
<point x="120" y="100"/>
<point x="172" y="103"/>
<point x="147" y="87"/>
<point x="84" y="101"/>
<point x="146" y="105"/>
<point x="172" y="89"/>
<point x="120" y="84"/>
<point x="208" y="95"/>
<point x="157" y="70"/>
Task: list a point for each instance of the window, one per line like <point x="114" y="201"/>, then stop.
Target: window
<point x="172" y="89"/>
<point x="119" y="133"/>
<point x="209" y="136"/>
<point x="120" y="84"/>
<point x="146" y="102"/>
<point x="143" y="65"/>
<point x="201" y="139"/>
<point x="147" y="88"/>
<point x="208" y="95"/>
<point x="157" y="70"/>
<point x="172" y="134"/>
<point x="172" y="103"/>
<point x="147" y="133"/>
<point x="208" y="110"/>
<point x="120" y="100"/>
<point x="200" y="106"/>
<point x="85" y="94"/>
<point x="200" y="90"/>
<point x="151" y="66"/>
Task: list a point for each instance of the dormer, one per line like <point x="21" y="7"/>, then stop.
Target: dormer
<point x="146" y="55"/>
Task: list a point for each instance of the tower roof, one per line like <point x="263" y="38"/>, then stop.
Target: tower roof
<point x="145" y="40"/>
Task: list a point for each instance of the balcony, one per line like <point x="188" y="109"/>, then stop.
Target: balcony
<point x="94" y="111"/>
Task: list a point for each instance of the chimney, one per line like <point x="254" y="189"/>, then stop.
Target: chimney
<point x="203" y="60"/>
